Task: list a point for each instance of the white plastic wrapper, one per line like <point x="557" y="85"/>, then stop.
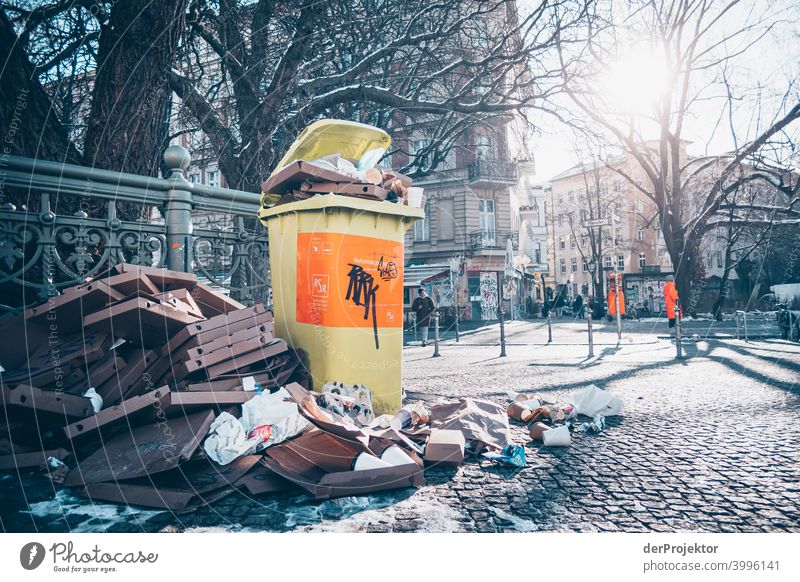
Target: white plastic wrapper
<point x="592" y="401"/>
<point x="227" y="440"/>
<point x="272" y="418"/>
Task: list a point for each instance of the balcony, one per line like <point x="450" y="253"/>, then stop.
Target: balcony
<point x="492" y="240"/>
<point x="490" y="174"/>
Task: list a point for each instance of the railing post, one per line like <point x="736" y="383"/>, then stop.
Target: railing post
<point x="591" y="336"/>
<point x="549" y="328"/>
<point x="178" y="210"/>
<point x="436" y="353"/>
<point x="457" y="318"/>
<point x="502" y="332"/>
<point x="678" y="346"/>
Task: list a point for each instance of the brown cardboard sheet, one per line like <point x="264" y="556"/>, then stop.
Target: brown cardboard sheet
<point x="213" y="302"/>
<point x="46" y="405"/>
<point x="212" y="328"/>
<point x="28" y="460"/>
<point x="146" y="322"/>
<point x="148" y="449"/>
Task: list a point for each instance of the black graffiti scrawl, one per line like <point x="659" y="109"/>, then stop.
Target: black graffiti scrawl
<point x="361" y="290"/>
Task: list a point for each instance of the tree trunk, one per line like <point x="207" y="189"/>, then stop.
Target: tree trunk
<point x="27" y="123"/>
<point x="127" y="128"/>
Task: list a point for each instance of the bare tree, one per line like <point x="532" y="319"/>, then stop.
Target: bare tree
<point x="251" y="75"/>
<point x="692" y="41"/>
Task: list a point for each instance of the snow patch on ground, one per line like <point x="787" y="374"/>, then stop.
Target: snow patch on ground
<point x="359" y="513"/>
<point x="233" y="527"/>
<point x="517" y="523"/>
<point x="99" y="516"/>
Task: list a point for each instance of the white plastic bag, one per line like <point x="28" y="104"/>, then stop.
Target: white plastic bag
<point x="592" y="401"/>
<point x="272" y="418"/>
<point x="227" y="440"/>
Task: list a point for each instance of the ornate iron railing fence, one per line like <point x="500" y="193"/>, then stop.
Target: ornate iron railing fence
<point x="44" y="251"/>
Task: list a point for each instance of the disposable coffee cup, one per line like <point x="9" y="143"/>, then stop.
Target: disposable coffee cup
<point x="415" y="197"/>
<point x="557" y="437"/>
<point x="395" y="456"/>
<point x="519" y="412"/>
<point x="365" y="461"/>
<point x="537" y="431"/>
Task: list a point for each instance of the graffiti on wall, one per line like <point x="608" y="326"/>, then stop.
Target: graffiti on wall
<point x="488" y="296"/>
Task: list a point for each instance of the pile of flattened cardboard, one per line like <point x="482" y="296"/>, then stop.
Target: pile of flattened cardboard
<point x="163" y="354"/>
<point x="145" y="387"/>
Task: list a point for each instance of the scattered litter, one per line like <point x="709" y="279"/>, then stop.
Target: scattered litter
<point x="272" y="418"/>
<point x="597" y="425"/>
<point x="593" y="401"/>
<point x="513" y="455"/>
<point x="350" y="400"/>
<point x="95" y="399"/>
<point x="557" y="437"/>
<point x="227" y="440"/>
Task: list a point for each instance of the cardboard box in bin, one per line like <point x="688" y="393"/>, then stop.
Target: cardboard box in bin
<point x="445" y="447"/>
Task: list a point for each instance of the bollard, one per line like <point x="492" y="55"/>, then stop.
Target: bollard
<point x="744" y="315"/>
<point x="549" y="328"/>
<point x="678" y="346"/>
<point x="591" y="337"/>
<point x="502" y="333"/>
<point x="618" y="286"/>
<point x="457" y="318"/>
<point x="436" y="353"/>
<point x="414" y="325"/>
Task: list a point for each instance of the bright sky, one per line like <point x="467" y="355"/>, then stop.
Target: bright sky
<point x="769" y="63"/>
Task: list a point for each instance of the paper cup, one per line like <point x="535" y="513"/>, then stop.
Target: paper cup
<point x="395" y="456"/>
<point x="537" y="431"/>
<point x="365" y="461"/>
<point x="519" y="412"/>
<point x="416" y="198"/>
<point x="557" y="437"/>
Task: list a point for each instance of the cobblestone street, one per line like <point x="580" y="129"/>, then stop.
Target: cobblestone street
<point x="708" y="443"/>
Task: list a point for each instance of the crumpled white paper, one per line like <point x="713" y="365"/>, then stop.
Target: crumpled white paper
<point x="276" y="410"/>
<point x="227" y="440"/>
<point x="592" y="401"/>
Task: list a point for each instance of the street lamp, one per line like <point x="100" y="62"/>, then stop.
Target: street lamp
<point x="592" y="266"/>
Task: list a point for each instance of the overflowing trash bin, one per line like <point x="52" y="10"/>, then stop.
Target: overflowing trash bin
<point x="336" y="229"/>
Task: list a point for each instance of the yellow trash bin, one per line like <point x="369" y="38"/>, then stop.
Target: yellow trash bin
<point x="337" y="276"/>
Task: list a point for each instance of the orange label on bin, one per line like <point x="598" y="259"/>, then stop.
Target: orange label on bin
<point x="344" y="280"/>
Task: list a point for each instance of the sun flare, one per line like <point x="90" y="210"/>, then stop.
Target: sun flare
<point x="634" y="83"/>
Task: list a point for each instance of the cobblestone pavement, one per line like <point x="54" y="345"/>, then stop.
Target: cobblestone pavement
<point x="709" y="443"/>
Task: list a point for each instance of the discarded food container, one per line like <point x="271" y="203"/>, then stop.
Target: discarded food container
<point x="557" y="437"/>
<point x="445" y="447"/>
<point x="516" y="411"/>
<point x="537" y="430"/>
<point x="337" y="271"/>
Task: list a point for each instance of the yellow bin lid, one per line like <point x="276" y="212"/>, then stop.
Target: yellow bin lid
<point x="335" y="136"/>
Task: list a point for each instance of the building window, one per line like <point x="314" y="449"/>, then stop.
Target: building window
<point x="446" y="226"/>
<point x="574" y="265"/>
<point x="418" y="146"/>
<point x="422" y="228"/>
<point x="485" y="147"/>
<point x="719" y="260"/>
<point x="563" y="266"/>
<point x="194" y="178"/>
<point x="607" y="261"/>
<point x="709" y="260"/>
<point x="585" y="289"/>
<point x="642" y="260"/>
<point x="640" y="234"/>
<point x="560" y="220"/>
<point x="572" y="242"/>
<point x="537" y="253"/>
<point x="213" y="178"/>
<point x="562" y="244"/>
<point x="639" y="205"/>
<point x="617" y="186"/>
<point x="486" y="219"/>
<point x="621" y="262"/>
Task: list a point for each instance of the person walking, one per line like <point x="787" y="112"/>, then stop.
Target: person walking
<point x="577" y="306"/>
<point x="670" y="297"/>
<point x="423" y="307"/>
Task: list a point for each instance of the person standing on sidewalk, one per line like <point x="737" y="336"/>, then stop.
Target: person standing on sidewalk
<point x="577" y="306"/>
<point x="423" y="308"/>
<point x="670" y="297"/>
